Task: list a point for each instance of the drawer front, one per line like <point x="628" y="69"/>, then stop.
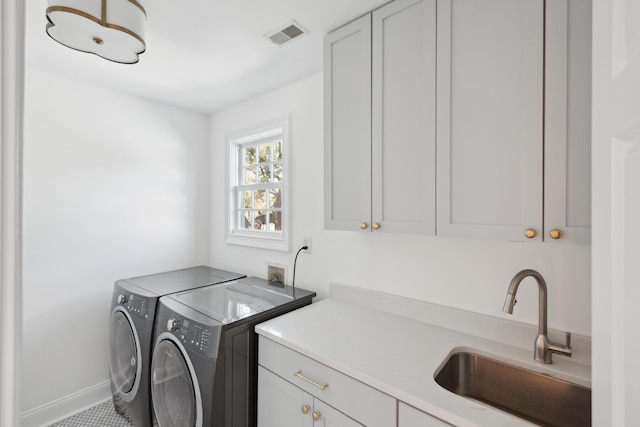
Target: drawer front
<point x="408" y="416"/>
<point x="361" y="402"/>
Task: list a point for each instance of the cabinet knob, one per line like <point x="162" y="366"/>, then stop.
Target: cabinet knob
<point x="530" y="233"/>
<point x="364" y="225"/>
<point x="555" y="234"/>
<point x="376" y="226"/>
<point x="316" y="416"/>
<point x="305" y="409"/>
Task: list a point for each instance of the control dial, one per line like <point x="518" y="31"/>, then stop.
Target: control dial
<point x="123" y="299"/>
<point x="173" y="324"/>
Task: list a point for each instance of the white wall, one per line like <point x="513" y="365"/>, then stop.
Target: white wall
<point x="114" y="186"/>
<point x="467" y="274"/>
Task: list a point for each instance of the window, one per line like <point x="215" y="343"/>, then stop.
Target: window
<point x="258" y="203"/>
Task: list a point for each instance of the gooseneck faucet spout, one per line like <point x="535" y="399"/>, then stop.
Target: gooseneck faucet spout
<point x="543" y="346"/>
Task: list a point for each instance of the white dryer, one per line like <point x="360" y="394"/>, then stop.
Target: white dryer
<point x="133" y="309"/>
<point x="204" y="367"/>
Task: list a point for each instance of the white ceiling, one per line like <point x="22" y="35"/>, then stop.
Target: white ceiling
<point x="203" y="55"/>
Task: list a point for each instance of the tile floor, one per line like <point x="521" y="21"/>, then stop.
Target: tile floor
<point x="102" y="415"/>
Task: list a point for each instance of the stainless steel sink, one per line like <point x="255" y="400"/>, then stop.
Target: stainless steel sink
<point x="535" y="397"/>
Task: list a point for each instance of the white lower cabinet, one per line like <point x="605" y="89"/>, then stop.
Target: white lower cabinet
<point x="330" y="417"/>
<point x="408" y="416"/>
<point x="280" y="403"/>
<point x="294" y="390"/>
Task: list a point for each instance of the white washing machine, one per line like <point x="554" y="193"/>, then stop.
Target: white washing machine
<point x="204" y="369"/>
<point x="133" y="309"/>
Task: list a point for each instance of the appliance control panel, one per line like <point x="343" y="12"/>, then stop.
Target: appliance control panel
<point x="136" y="305"/>
<point x="193" y="335"/>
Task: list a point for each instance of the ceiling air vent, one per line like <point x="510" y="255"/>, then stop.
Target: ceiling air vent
<point x="286" y="33"/>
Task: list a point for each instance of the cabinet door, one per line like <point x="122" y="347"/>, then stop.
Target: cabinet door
<point x="489" y="124"/>
<point x="280" y="403"/>
<point x="567" y="164"/>
<point x="403" y="134"/>
<point x="359" y="401"/>
<point x="331" y="417"/>
<point x="347" y="132"/>
<point x="409" y="416"/>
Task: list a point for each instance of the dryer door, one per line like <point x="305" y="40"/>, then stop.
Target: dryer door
<point x="124" y="355"/>
<point x="174" y="385"/>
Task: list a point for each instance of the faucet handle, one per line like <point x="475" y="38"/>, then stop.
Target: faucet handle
<point x="559" y="349"/>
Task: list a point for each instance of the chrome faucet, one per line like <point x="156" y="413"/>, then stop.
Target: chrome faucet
<point x="543" y="346"/>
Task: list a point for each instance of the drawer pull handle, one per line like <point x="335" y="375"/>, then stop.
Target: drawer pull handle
<point x="299" y="375"/>
<point x="316" y="416"/>
<point x="305" y="409"/>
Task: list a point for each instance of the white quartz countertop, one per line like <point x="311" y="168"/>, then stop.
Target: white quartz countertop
<point x="400" y="356"/>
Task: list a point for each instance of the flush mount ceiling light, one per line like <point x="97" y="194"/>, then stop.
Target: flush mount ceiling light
<point x="112" y="29"/>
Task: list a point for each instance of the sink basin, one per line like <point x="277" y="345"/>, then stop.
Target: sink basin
<point x="532" y="396"/>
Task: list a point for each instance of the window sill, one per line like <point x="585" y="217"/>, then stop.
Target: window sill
<point x="276" y="244"/>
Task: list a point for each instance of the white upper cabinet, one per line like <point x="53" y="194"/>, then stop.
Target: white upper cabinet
<point x="567" y="162"/>
<point x="514" y="120"/>
<point x="490" y="118"/>
<point x="490" y="99"/>
<point x="380" y="139"/>
<point x="404" y="128"/>
<point x="347" y="116"/>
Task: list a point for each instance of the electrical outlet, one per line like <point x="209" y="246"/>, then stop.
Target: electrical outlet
<point x="276" y="273"/>
<point x="306" y="241"/>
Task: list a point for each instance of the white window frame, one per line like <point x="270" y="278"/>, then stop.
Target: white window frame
<point x="259" y="239"/>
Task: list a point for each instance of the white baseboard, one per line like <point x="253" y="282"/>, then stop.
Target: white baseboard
<point x="67" y="406"/>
